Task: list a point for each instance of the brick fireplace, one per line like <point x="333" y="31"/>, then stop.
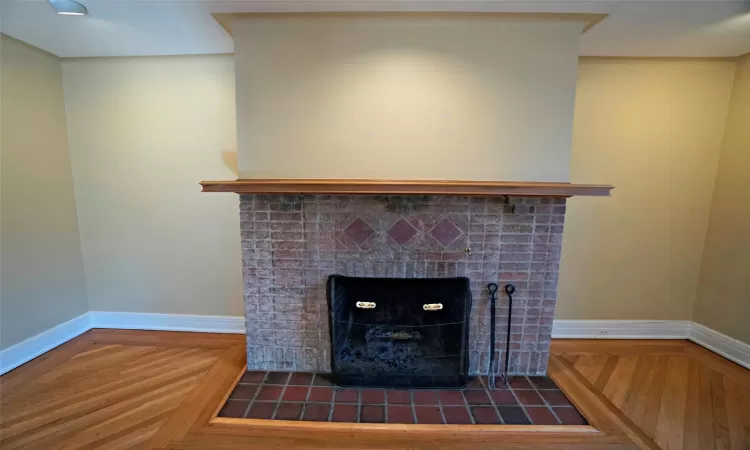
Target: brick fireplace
<point x="292" y="243"/>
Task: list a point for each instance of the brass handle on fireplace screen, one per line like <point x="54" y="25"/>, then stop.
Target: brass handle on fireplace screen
<point x="432" y="306"/>
<point x="365" y="305"/>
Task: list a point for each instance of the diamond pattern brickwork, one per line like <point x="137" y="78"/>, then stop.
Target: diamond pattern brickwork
<point x="402" y="231"/>
<point x="290" y="245"/>
<point x="445" y="232"/>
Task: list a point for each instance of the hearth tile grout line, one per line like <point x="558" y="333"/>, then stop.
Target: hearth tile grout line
<point x="255" y="395"/>
<point x="359" y="405"/>
<point x="281" y="396"/>
<point x="492" y="401"/>
<point x="385" y="406"/>
<point x="331" y="403"/>
<point x="307" y="397"/>
<point x="523" y="408"/>
<point x="549" y="406"/>
<point x="468" y="408"/>
<point x="440" y="408"/>
<point x="413" y="407"/>
<point x="441" y="405"/>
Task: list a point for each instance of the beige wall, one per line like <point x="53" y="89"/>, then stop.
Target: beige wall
<point x="724" y="290"/>
<point x="42" y="272"/>
<point x="405" y="97"/>
<point x="652" y="128"/>
<point x="143" y="133"/>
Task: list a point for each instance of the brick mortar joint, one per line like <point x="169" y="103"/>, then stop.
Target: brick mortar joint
<point x="277" y="278"/>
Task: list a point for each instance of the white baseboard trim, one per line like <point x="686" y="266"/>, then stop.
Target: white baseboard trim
<point x="29" y="349"/>
<point x="168" y="322"/>
<point x="730" y="348"/>
<point x="621" y="329"/>
<point x="25" y="351"/>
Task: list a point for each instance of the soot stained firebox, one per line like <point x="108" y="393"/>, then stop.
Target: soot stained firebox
<point x="399" y="332"/>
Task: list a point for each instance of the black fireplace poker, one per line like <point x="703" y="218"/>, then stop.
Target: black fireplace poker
<point x="509" y="290"/>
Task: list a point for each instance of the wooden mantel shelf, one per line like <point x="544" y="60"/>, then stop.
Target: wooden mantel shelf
<point x="403" y="187"/>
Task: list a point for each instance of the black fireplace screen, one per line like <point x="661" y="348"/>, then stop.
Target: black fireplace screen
<point x="399" y="332"/>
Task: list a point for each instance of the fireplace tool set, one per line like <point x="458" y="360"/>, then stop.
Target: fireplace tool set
<point x="509" y="290"/>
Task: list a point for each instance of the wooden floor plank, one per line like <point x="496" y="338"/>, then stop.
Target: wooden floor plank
<point x="721" y="421"/>
<point x="671" y="416"/>
<point x="691" y="399"/>
<point x="89" y="395"/>
<point x="690" y="436"/>
<point x="620" y="380"/>
<point x="118" y="389"/>
<point x="655" y="393"/>
<point x="738" y="415"/>
<point x="205" y="397"/>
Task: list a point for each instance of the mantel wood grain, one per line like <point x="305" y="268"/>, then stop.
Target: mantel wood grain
<point x="405" y="187"/>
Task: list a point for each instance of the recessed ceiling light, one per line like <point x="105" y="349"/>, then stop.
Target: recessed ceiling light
<point x="68" y="7"/>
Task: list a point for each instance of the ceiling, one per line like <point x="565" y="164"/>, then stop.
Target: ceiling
<point x="667" y="28"/>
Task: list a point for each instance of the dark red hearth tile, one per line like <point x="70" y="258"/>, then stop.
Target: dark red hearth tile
<point x="301" y="379"/>
<point x="541" y="415"/>
<point x="513" y="415"/>
<point x="529" y="398"/>
<point x="452" y="398"/>
<point x="456" y="415"/>
<point x="520" y="383"/>
<point x="425" y="398"/>
<point x="295" y="394"/>
<point x="346" y="395"/>
<point x="261" y="410"/>
<point x="428" y="414"/>
<point x="269" y="393"/>
<point x="485" y="415"/>
<point x="400" y="414"/>
<point x="477" y="397"/>
<point x="569" y="416"/>
<point x="372" y="414"/>
<point x="276" y="378"/>
<point x="372" y="396"/>
<point x="555" y="398"/>
<point x="344" y="413"/>
<point x="316" y="412"/>
<point x="321" y="380"/>
<point x="503" y="397"/>
<point x="321" y="394"/>
<point x="475" y="383"/>
<point x="289" y="411"/>
<point x="234" y="408"/>
<point x="243" y="392"/>
<point x="542" y="382"/>
<point x="253" y="377"/>
<point x="398" y="397"/>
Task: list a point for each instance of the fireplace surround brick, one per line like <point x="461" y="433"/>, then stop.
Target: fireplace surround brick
<point x="291" y="244"/>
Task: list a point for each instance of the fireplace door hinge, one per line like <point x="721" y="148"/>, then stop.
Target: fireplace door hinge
<point x="432" y="306"/>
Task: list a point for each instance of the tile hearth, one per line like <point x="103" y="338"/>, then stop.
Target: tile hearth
<point x="311" y="397"/>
